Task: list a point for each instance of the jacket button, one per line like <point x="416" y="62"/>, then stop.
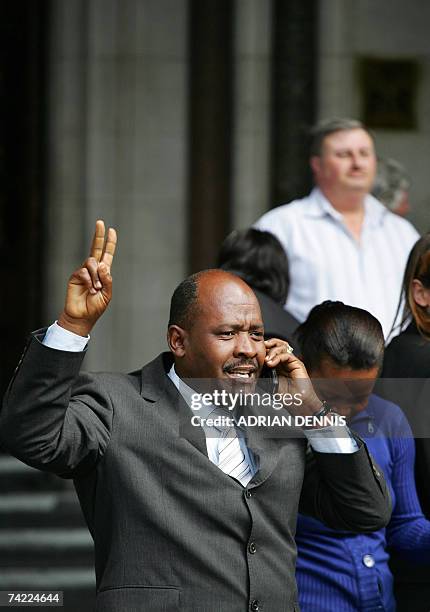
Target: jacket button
<point x="368" y="560"/>
<point x="252" y="548"/>
<point x="376" y="471"/>
<point x="255" y="606"/>
<point x="248" y="493"/>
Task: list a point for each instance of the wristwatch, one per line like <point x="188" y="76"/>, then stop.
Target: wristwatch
<point x="324" y="410"/>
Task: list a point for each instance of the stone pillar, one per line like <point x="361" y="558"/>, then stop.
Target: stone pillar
<point x="252" y="99"/>
<point x="117" y="144"/>
<point x="337" y="83"/>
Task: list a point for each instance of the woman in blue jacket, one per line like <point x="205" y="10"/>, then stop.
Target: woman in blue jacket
<point x="337" y="571"/>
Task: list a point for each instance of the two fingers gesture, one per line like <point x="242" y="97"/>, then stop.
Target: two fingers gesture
<point x="89" y="289"/>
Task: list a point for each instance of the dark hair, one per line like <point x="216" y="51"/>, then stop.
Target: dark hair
<point x="184" y="301"/>
<point x="417" y="267"/>
<point x="325" y="127"/>
<point x="348" y="336"/>
<point x="259" y="259"/>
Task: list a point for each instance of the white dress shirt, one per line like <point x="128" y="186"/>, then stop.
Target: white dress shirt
<point x="327" y="263"/>
<point x="211" y="433"/>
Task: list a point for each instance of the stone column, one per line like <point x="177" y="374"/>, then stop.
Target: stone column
<point x="252" y="99"/>
<point x="117" y="143"/>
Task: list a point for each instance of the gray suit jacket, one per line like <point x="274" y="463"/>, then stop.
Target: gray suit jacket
<point x="171" y="530"/>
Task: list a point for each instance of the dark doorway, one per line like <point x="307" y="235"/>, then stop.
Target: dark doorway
<point x="294" y="95"/>
<point x="210" y="124"/>
<point x="23" y="32"/>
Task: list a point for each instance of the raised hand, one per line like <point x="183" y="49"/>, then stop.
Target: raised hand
<point x="89" y="289"/>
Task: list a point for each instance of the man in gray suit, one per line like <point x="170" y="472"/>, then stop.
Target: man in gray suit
<point x="182" y="519"/>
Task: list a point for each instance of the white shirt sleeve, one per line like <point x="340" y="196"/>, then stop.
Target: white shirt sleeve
<point x="331" y="440"/>
<point x="57" y="337"/>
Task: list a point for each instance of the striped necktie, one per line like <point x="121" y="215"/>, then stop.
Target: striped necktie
<point x="231" y="458"/>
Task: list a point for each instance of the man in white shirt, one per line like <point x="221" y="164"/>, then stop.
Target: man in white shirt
<point x="342" y="244"/>
<point x="182" y="520"/>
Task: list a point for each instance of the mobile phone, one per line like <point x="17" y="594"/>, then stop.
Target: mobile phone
<point x="270" y="380"/>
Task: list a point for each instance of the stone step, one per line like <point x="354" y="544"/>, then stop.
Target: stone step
<point x="45" y="547"/>
<point x="44" y="509"/>
<point x="61" y="559"/>
<point x="74" y="600"/>
<point x="17" y="476"/>
<point x="46" y="539"/>
<point x="44" y="543"/>
<point x="77" y="584"/>
<point x="48" y="578"/>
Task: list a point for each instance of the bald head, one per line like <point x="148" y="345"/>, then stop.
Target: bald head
<point x="201" y="289"/>
<point x="215" y="328"/>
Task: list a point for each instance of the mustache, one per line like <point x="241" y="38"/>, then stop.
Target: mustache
<point x="232" y="365"/>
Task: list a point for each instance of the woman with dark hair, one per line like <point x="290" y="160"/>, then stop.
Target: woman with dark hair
<point x="342" y="348"/>
<point x="406" y="380"/>
<point x="408" y="357"/>
<point x="415" y="299"/>
<point x="259" y="259"/>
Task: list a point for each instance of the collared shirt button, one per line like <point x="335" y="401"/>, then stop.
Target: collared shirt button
<point x="248" y="493"/>
<point x="368" y="560"/>
<point x="252" y="548"/>
<point x="255" y="605"/>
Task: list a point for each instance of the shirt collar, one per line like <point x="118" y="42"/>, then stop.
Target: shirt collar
<point x="374" y="211"/>
<point x="318" y="206"/>
<point x="187" y="393"/>
<point x="367" y="414"/>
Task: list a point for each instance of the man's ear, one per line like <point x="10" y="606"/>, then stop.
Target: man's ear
<point x="315" y="164"/>
<point x="420" y="294"/>
<point x="176" y="339"/>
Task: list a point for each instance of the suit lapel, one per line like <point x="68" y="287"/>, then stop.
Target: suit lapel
<point x="156" y="386"/>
